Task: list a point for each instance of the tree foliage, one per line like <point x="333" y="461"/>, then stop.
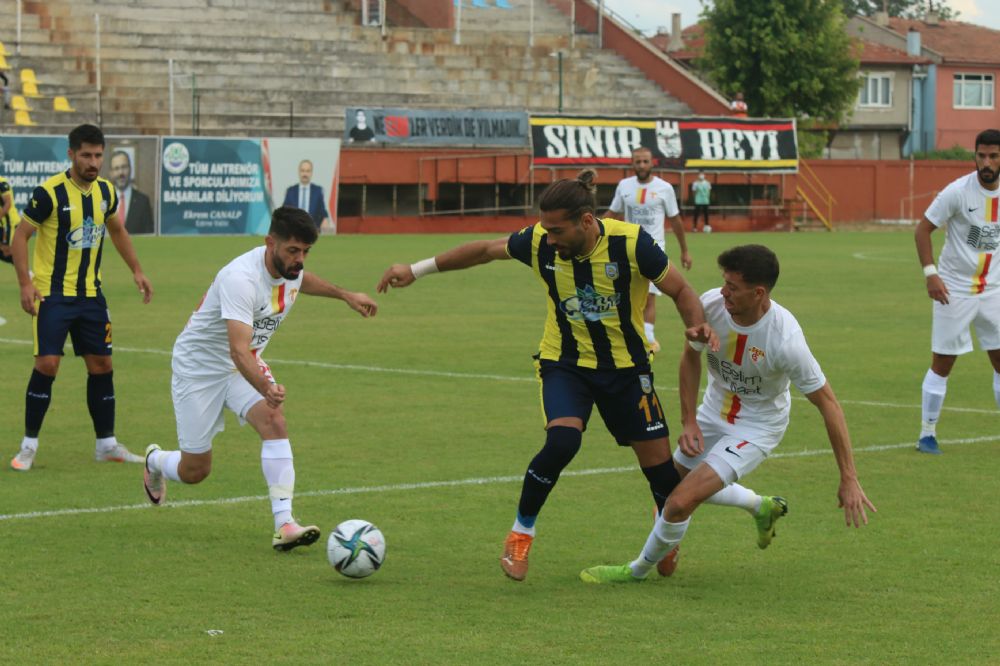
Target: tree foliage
<point x="913" y="9"/>
<point x="789" y="58"/>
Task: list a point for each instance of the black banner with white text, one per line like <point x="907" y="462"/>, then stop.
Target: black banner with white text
<point x="709" y="144"/>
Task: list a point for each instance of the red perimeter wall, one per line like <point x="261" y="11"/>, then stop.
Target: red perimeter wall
<point x="864" y="190"/>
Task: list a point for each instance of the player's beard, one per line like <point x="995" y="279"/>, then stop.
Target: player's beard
<point x="988" y="176"/>
<point x="88" y="174"/>
<point x="643" y="174"/>
<point x="286" y="271"/>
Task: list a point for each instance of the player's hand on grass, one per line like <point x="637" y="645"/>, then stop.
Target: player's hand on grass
<point x="398" y="275"/>
<point x="29" y="296"/>
<point x="704" y="334"/>
<point x="361" y="303"/>
<point x="853" y="501"/>
<point x="145" y="286"/>
<point x="936" y="289"/>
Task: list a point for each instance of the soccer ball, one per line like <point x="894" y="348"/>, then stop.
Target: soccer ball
<point x="356" y="548"/>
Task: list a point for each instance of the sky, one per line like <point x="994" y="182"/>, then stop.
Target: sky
<point x="647" y="15"/>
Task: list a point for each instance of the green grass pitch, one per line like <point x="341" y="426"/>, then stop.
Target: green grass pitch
<point x="423" y="419"/>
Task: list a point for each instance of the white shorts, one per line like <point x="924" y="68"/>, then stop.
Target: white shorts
<point x="199" y="403"/>
<point x="950" y="333"/>
<point x="731" y="455"/>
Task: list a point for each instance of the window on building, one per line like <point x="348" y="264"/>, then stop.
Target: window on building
<point x="876" y="89"/>
<point x="973" y="91"/>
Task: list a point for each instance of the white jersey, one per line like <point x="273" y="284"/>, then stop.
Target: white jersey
<point x="968" y="261"/>
<point x="748" y="377"/>
<point x="243" y="291"/>
<point x="646" y="204"/>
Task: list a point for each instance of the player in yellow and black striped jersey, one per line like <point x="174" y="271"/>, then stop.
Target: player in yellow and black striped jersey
<point x="8" y="219"/>
<point x="72" y="212"/>
<point x="595" y="274"/>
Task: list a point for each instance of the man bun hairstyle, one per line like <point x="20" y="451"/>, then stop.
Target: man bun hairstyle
<point x="757" y="264"/>
<point x="990" y="137"/>
<point x="85" y="134"/>
<point x="288" y="223"/>
<point x="576" y="196"/>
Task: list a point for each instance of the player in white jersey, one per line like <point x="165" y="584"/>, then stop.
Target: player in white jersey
<point x="217" y="364"/>
<point x="744" y="413"/>
<point x="647" y="200"/>
<point x="965" y="285"/>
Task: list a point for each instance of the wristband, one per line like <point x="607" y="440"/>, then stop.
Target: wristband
<point x="929" y="270"/>
<point x="424" y="267"/>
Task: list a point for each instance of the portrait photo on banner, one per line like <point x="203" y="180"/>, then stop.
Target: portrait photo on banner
<point x="303" y="174"/>
<point x="130" y="163"/>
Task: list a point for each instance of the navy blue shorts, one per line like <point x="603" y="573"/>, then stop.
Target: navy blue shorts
<point x="625" y="398"/>
<point x="85" y="318"/>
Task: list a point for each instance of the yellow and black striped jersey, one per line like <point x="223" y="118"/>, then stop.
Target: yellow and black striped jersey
<point x="12" y="217"/>
<point x="595" y="301"/>
<point x="70" y="224"/>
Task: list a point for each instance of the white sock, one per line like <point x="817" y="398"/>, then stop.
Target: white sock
<point x="166" y="463"/>
<point x="736" y="495"/>
<point x="649" y="331"/>
<point x="30" y="443"/>
<point x="661" y="541"/>
<point x="521" y="528"/>
<point x="279" y="473"/>
<point x="106" y="443"/>
<point x="934" y="388"/>
<point x="996" y="387"/>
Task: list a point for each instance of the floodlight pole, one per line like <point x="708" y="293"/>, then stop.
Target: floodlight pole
<point x="458" y="23"/>
<point x="600" y="24"/>
<point x="170" y="76"/>
<point x="560" y="56"/>
<point x="531" y="23"/>
<point x="97" y="63"/>
<point x="18" y="44"/>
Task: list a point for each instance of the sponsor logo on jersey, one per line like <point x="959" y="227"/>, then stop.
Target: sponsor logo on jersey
<point x="589" y="305"/>
<point x="87" y="236"/>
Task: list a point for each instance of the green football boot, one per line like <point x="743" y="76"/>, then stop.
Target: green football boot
<point x="620" y="573"/>
<point x="771" y="508"/>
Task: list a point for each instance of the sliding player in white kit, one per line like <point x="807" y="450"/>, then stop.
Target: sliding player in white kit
<point x="217" y="364"/>
<point x="967" y="290"/>
<point x="744" y="412"/>
<point x="648" y="200"/>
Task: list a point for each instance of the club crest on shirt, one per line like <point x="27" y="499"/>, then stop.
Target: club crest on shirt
<point x="611" y="270"/>
<point x="104" y="206"/>
<point x="756" y="354"/>
<point x="292" y="293"/>
<point x="646" y="383"/>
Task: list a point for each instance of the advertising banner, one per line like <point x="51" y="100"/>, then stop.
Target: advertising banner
<point x="709" y="144"/>
<point x="230" y="186"/>
<point x="28" y="161"/>
<point x="442" y="127"/>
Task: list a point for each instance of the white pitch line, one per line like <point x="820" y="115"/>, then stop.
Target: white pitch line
<point x="481" y="481"/>
<point x="501" y="378"/>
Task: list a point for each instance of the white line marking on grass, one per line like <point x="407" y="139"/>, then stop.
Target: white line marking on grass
<point x="499" y="378"/>
<point x="481" y="481"/>
<point x="866" y="256"/>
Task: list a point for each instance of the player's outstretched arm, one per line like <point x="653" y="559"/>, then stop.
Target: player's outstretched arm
<point x="925" y="253"/>
<point x="123" y="243"/>
<point x="689" y="307"/>
<point x="358" y="301"/>
<point x="852" y="497"/>
<point x="466" y="255"/>
<point x="691" y="442"/>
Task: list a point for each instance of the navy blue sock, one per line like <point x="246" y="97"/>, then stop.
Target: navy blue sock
<point x="101" y="403"/>
<point x="561" y="444"/>
<point x="36" y="402"/>
<point x="663" y="478"/>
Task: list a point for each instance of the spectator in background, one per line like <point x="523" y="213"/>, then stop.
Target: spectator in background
<point x="307" y="196"/>
<point x="738" y="107"/>
<point x="702" y="191"/>
<point x="361" y="133"/>
<point x="133" y="205"/>
<point x="5" y="87"/>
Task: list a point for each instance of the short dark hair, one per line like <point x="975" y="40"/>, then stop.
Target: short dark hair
<point x="757" y="264"/>
<point x="574" y="195"/>
<point x="85" y="134"/>
<point x="990" y="137"/>
<point x="289" y="223"/>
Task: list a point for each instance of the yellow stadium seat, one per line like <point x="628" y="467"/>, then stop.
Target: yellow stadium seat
<point x="18" y="103"/>
<point x="28" y="76"/>
<point x="29" y="89"/>
<point x="3" y="50"/>
<point x="3" y="62"/>
<point x="61" y="104"/>
<point x="22" y="118"/>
